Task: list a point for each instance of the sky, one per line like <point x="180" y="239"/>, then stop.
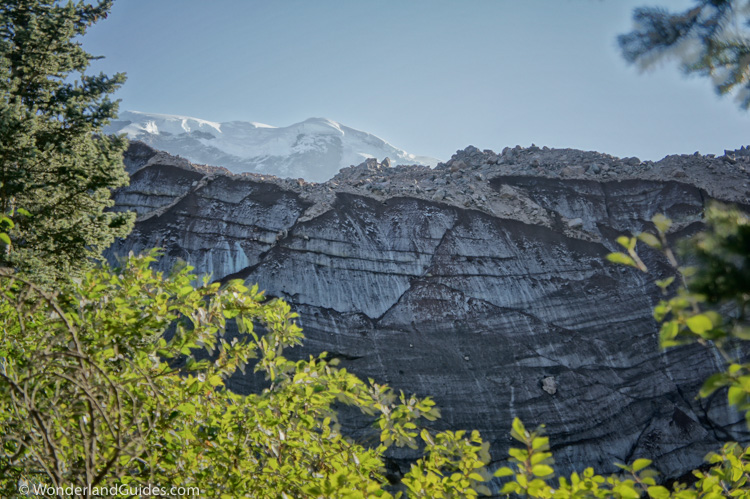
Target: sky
<point x="428" y="76"/>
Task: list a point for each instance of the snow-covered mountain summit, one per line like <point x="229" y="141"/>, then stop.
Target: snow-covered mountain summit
<point x="315" y="149"/>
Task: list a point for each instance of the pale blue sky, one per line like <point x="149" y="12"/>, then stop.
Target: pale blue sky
<point x="429" y="76"/>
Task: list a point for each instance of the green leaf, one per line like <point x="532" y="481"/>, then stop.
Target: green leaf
<point x="621" y="258"/>
<point x="628" y="492"/>
<point x="736" y="395"/>
<point x="741" y="332"/>
<point x="665" y="283"/>
<point x="4" y="238"/>
<point x="668" y="332"/>
<point x="713" y="383"/>
<point x="624" y="241"/>
<point x="658" y="492"/>
<point x="502" y="472"/>
<point x="510" y="488"/>
<point x="522" y="480"/>
<point x="650" y="239"/>
<point x="699" y="324"/>
<point x="519" y="428"/>
<point x="540" y="443"/>
<point x="661" y="311"/>
<point x="639" y="464"/>
<point x="482" y="489"/>
<point x="662" y="223"/>
<point x="540" y="457"/>
<point x="542" y="470"/>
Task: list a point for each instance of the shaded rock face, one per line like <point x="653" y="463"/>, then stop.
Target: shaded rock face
<point x="504" y="308"/>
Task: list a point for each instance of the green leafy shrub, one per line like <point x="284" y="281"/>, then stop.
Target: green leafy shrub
<point x="99" y="386"/>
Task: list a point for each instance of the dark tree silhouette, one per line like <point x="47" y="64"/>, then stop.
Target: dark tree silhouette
<point x="710" y="39"/>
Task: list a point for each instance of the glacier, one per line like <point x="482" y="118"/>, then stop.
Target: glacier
<point x="482" y="282"/>
<point x="314" y="149"/>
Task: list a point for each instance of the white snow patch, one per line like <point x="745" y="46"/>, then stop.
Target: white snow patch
<point x="151" y="127"/>
<point x="315" y="149"/>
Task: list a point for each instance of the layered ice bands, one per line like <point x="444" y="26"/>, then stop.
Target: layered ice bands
<point x="482" y="283"/>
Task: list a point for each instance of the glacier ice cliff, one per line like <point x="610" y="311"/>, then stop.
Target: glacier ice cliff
<point x="481" y="282"/>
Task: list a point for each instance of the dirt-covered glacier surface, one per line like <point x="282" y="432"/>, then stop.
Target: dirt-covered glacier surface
<point x="482" y="283"/>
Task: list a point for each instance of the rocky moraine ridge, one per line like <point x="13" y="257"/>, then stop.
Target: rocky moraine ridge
<point x="482" y="283"/>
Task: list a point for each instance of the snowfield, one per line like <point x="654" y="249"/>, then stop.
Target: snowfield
<point x="315" y="149"/>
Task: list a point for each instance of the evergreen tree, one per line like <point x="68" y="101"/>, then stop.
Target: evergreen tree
<point x="55" y="166"/>
<point x="710" y="39"/>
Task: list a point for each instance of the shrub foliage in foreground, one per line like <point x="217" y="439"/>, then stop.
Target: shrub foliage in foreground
<point x="99" y="387"/>
<point x="93" y="392"/>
